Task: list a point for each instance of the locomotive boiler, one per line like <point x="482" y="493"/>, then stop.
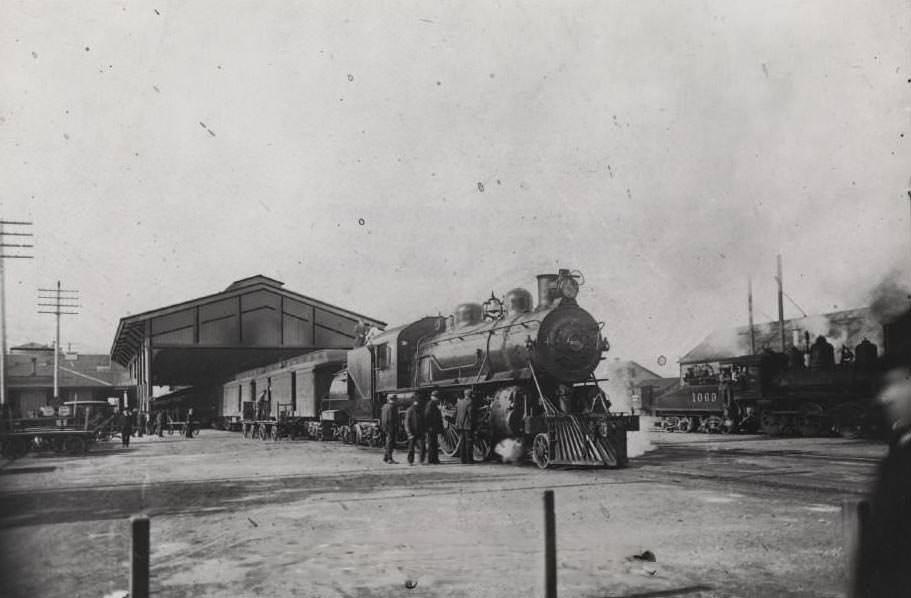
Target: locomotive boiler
<point x="530" y="367"/>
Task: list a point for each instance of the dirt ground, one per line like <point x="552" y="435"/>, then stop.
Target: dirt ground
<point x="724" y="516"/>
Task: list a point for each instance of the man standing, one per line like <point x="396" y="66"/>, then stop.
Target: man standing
<point x="159" y="423"/>
<point x="414" y="427"/>
<point x="189" y="431"/>
<point x="126" y="428"/>
<point x="433" y="427"/>
<point x="261" y="412"/>
<point x="464" y="424"/>
<point x="389" y="424"/>
<point x="884" y="556"/>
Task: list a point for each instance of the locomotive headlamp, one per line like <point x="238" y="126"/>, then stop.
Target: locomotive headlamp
<point x="568" y="287"/>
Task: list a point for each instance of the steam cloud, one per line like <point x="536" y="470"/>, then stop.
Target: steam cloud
<point x="510" y="450"/>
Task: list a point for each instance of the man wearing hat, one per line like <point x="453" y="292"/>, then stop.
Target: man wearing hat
<point x="464" y="424"/>
<point x="883" y="563"/>
<point x="433" y="426"/>
<point x="389" y="424"/>
<point x="414" y="427"/>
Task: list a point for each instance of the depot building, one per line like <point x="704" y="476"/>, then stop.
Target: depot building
<point x="194" y="346"/>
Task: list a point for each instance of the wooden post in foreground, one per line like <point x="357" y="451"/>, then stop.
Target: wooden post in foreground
<point x="855" y="515"/>
<point x="550" y="546"/>
<point x="139" y="561"/>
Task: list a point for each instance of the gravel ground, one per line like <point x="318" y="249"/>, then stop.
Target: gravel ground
<point x="724" y="516"/>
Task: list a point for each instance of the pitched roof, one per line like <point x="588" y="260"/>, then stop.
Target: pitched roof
<point x="32" y="347"/>
<point x="849" y="327"/>
<point x="130" y="331"/>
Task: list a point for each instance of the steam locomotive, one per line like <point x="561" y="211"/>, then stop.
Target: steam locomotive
<point x="531" y="367"/>
<point x="801" y="391"/>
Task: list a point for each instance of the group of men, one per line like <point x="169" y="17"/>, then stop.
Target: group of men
<point x="424" y="423"/>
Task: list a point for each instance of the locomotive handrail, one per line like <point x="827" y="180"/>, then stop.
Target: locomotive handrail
<point x="549" y="409"/>
<point x="486" y="355"/>
<point x="454" y="336"/>
<point x="457" y="367"/>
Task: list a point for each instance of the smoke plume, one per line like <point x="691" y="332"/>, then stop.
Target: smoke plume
<point x="890" y="298"/>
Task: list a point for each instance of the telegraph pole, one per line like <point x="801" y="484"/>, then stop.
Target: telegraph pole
<point x="62" y="299"/>
<point x="750" y="308"/>
<point x="780" y="303"/>
<point x="8" y="228"/>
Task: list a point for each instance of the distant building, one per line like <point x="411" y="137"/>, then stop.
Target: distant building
<point x="625" y="380"/>
<point x="30" y="378"/>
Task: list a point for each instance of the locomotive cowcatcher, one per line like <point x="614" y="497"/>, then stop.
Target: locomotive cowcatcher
<point x="531" y="370"/>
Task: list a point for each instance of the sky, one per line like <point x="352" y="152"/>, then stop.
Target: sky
<point x="399" y="158"/>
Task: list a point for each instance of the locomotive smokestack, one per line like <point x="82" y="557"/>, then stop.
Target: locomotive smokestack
<point x="547" y="290"/>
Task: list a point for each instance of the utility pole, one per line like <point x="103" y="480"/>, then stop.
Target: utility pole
<point x="62" y="299"/>
<point x="780" y="303"/>
<point x="750" y="307"/>
<point x="8" y="228"/>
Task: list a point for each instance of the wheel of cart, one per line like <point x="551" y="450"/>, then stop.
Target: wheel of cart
<point x="74" y="445"/>
<point x="16" y="447"/>
<point x="276" y="432"/>
<point x="263" y="431"/>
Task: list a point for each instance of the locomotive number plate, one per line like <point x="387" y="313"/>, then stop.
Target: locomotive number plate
<point x="704" y="397"/>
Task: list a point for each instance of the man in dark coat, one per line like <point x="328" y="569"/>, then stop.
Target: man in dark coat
<point x="261" y="410"/>
<point x="464" y="424"/>
<point x="884" y="555"/>
<point x="433" y="427"/>
<point x="126" y="428"/>
<point x="389" y="424"/>
<point x="414" y="428"/>
<point x="189" y="430"/>
<point x="159" y="423"/>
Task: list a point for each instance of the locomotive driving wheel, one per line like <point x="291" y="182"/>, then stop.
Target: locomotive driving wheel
<point x="540" y="450"/>
<point x="481" y="449"/>
<point x="713" y="424"/>
<point x="449" y="441"/>
<point x="687" y="424"/>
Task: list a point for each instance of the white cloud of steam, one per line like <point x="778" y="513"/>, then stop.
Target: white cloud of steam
<point x="639" y="443"/>
<point x="510" y="450"/>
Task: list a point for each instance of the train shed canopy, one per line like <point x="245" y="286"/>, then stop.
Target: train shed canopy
<point x="847" y="327"/>
<point x="253" y="322"/>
